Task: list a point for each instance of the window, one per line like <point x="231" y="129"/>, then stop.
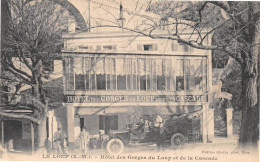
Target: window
<point x="141" y="74"/>
<point x="179" y="83"/>
<point x="138" y="73"/>
<point x="86" y="47"/>
<point x="197" y="70"/>
<point x="160" y="70"/>
<point x="87" y="69"/>
<point x="179" y="75"/>
<point x="100" y="73"/>
<point x="121" y="74"/>
<point x="80" y="82"/>
<point x="148" y="73"/>
<point x="108" y="47"/>
<point x="148" y="47"/>
<point x="174" y="46"/>
<point x="69" y="73"/>
<point x="186" y="48"/>
<point x="187" y="74"/>
<point x="79" y="73"/>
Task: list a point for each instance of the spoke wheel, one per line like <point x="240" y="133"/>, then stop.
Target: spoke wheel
<point x="177" y="140"/>
<point x="115" y="146"/>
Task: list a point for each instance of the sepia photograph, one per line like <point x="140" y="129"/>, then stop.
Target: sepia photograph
<point x="129" y="80"/>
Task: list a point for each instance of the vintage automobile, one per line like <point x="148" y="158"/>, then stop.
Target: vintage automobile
<point x="176" y="135"/>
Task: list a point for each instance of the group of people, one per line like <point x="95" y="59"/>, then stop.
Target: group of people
<point x="156" y="129"/>
<point x="84" y="137"/>
<point x="59" y="140"/>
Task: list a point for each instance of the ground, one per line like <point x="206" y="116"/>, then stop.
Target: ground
<point x="220" y="149"/>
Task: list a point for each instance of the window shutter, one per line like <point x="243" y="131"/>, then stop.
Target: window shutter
<point x="155" y="48"/>
<point x="139" y="47"/>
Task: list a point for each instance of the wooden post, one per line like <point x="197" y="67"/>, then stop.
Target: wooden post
<point x="32" y="136"/>
<point x="2" y="125"/>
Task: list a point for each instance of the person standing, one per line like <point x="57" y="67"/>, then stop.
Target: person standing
<point x="84" y="140"/>
<point x="59" y="140"/>
<point x="158" y="121"/>
<point x="161" y="137"/>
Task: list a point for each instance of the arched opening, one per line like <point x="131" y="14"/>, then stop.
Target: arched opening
<point x="73" y="11"/>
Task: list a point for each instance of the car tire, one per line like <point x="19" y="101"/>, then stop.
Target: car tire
<point x="177" y="140"/>
<point x="115" y="146"/>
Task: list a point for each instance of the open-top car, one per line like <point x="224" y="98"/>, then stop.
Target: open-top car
<point x="176" y="134"/>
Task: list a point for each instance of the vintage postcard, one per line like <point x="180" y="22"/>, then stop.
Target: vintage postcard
<point x="129" y="80"/>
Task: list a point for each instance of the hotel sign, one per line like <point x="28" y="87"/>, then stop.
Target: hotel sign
<point x="134" y="98"/>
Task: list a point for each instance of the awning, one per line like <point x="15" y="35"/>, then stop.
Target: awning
<point x="169" y="110"/>
<point x="103" y="110"/>
<point x="144" y="110"/>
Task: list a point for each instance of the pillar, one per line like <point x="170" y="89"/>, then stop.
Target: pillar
<point x="70" y="128"/>
<point x="32" y="136"/>
<point x="204" y="124"/>
<point x="210" y="125"/>
<point x="229" y="114"/>
<point x="50" y="123"/>
<point x="2" y="125"/>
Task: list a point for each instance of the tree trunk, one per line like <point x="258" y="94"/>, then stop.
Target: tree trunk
<point x="249" y="131"/>
<point x="40" y="112"/>
<point x="42" y="135"/>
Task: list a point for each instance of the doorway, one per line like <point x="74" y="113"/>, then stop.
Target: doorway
<point x="12" y="133"/>
<point x="108" y="122"/>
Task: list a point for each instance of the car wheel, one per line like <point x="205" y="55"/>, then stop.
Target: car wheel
<point x="115" y="146"/>
<point x="177" y="140"/>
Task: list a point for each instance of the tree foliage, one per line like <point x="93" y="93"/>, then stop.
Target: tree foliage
<point x="31" y="35"/>
<point x="235" y="27"/>
<point x="232" y="27"/>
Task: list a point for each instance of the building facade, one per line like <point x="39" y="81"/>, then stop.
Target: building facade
<point x="111" y="81"/>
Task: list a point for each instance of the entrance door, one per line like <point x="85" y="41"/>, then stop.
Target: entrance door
<point x="12" y="133"/>
<point x="108" y="122"/>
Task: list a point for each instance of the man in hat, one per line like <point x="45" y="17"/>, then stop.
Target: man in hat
<point x="59" y="139"/>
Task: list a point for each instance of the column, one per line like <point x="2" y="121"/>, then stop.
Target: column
<point x="32" y="136"/>
<point x="50" y="123"/>
<point x="70" y="128"/>
<point x="210" y="125"/>
<point x="229" y="114"/>
<point x="204" y="124"/>
<point x="2" y="126"/>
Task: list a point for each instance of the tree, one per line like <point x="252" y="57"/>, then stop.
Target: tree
<point x="31" y="32"/>
<point x="232" y="27"/>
